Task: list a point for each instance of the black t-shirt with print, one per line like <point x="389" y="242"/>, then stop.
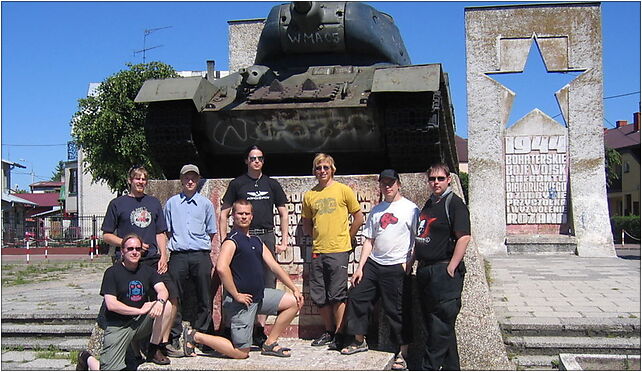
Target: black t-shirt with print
<point x="143" y="216"/>
<point x="264" y="194"/>
<point x="132" y="288"/>
<point x="434" y="241"/>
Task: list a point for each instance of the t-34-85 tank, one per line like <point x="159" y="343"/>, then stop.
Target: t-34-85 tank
<point x="330" y="77"/>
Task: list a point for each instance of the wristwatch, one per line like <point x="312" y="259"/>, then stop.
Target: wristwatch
<point x="161" y="301"/>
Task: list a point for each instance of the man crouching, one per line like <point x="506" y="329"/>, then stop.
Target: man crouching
<point x="240" y="267"/>
<point x="130" y="315"/>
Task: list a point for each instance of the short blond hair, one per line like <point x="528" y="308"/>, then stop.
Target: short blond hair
<point x="321" y="157"/>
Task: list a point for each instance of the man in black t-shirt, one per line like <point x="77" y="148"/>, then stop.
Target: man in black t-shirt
<point x="442" y="237"/>
<point x="131" y="313"/>
<point x="143" y="215"/>
<point x="264" y="193"/>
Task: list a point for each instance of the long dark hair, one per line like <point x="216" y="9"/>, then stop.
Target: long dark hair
<point x="253" y="147"/>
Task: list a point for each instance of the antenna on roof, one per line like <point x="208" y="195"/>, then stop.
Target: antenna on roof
<point x="147" y="32"/>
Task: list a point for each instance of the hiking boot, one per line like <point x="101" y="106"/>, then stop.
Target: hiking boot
<point x="325" y="339"/>
<point x="82" y="364"/>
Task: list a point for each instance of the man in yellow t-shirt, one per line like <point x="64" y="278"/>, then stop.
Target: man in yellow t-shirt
<point x="326" y="209"/>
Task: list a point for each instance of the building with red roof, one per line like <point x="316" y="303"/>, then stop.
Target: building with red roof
<point x="624" y="194"/>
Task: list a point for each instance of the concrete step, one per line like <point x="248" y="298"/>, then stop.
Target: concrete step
<point x="44" y="330"/>
<point x="536" y="345"/>
<point x="536" y="362"/>
<point x="40" y="343"/>
<point x="51" y="318"/>
<point x="574" y="327"/>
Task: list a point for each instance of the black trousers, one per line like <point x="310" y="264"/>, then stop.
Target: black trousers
<point x="195" y="267"/>
<point x="385" y="282"/>
<point x="270" y="241"/>
<point x="440" y="296"/>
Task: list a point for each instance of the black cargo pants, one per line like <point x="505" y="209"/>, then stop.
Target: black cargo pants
<point x="440" y="296"/>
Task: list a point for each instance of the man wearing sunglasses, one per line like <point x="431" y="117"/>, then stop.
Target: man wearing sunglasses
<point x="140" y="214"/>
<point x="191" y="226"/>
<point x="443" y="234"/>
<point x="326" y="211"/>
<point x="132" y="314"/>
<point x="264" y="193"/>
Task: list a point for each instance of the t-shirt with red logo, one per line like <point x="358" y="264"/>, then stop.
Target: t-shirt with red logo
<point x="435" y="237"/>
<point x="392" y="226"/>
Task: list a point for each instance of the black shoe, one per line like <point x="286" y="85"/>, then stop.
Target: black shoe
<point x="82" y="364"/>
<point x="258" y="336"/>
<point x="338" y="342"/>
<point x="324" y="339"/>
<point x="156" y="356"/>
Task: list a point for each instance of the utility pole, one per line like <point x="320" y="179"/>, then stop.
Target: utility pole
<point x="146" y="33"/>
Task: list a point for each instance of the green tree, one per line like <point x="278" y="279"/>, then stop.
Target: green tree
<point x="613" y="161"/>
<point x="57" y="174"/>
<point x="463" y="177"/>
<point x="108" y="126"/>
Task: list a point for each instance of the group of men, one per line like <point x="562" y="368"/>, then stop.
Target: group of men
<point x="144" y="290"/>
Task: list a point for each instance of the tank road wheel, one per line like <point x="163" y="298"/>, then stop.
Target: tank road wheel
<point x="411" y="132"/>
<point x="168" y="128"/>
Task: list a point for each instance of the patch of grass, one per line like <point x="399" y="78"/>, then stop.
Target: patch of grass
<point x="52" y="352"/>
<point x="504" y="299"/>
<point x="18" y="274"/>
<point x="73" y="285"/>
<point x="615" y="289"/>
<point x="73" y="357"/>
<point x="633" y="316"/>
<point x="13" y="348"/>
<point x="555" y="363"/>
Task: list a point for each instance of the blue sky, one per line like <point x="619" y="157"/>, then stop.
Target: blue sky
<point x="51" y="51"/>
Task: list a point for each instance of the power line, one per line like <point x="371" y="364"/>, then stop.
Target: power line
<point x="623" y="95"/>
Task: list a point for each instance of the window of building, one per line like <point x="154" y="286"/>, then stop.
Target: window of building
<point x="626" y="168"/>
<point x="73" y="181"/>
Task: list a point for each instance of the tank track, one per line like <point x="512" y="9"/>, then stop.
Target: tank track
<point x="168" y="128"/>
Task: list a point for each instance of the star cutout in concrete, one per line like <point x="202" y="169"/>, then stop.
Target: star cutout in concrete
<point x="535" y="87"/>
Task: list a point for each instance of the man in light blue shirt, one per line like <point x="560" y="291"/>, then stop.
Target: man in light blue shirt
<point x="191" y="226"/>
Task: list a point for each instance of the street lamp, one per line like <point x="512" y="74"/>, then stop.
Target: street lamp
<point x="31" y="164"/>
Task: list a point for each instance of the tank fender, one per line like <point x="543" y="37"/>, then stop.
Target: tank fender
<point x="196" y="89"/>
<point x="420" y="78"/>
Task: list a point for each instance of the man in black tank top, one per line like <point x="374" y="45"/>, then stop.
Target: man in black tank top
<point x="240" y="266"/>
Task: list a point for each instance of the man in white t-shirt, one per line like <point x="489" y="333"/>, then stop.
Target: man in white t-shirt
<point x="386" y="258"/>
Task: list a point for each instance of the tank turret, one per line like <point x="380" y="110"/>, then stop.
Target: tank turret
<point x="329" y="77"/>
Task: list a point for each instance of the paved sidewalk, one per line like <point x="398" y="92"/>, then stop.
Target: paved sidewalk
<point x="558" y="288"/>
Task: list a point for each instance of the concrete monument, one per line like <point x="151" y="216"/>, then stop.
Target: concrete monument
<point x="538" y="185"/>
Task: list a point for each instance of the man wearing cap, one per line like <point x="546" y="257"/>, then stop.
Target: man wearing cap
<point x="191" y="226"/>
<point x="385" y="261"/>
<point x="443" y="234"/>
<point x="326" y="211"/>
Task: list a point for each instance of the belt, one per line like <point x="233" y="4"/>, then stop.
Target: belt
<point x="260" y="231"/>
<point x="427" y="263"/>
<point x="191" y="251"/>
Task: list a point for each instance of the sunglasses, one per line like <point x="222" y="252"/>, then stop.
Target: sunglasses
<point x="254" y="158"/>
<point x="433" y="179"/>
<point x="129" y="249"/>
<point x="320" y="167"/>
